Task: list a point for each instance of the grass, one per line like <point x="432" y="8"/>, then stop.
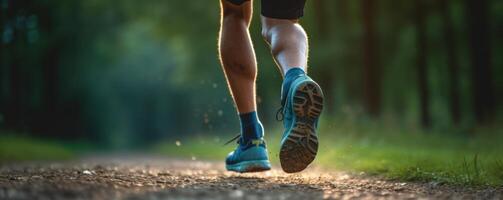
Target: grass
<point x="20" y="148"/>
<point x="419" y="158"/>
<point x="474" y="158"/>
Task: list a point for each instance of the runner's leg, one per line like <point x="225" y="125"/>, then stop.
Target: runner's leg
<point x="302" y="98"/>
<point x="288" y="42"/>
<point x="237" y="55"/>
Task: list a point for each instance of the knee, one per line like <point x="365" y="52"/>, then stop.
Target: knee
<point x="236" y="12"/>
<point x="280" y="34"/>
<point x="267" y="26"/>
<point x="279" y="27"/>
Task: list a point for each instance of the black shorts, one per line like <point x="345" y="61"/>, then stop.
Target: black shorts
<point x="279" y="9"/>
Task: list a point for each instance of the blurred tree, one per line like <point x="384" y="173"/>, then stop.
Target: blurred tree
<point x="324" y="70"/>
<point x="452" y="61"/>
<point x="13" y="43"/>
<point x="371" y="65"/>
<point x="134" y="72"/>
<point x="480" y="50"/>
<point x="51" y="58"/>
<point x="421" y="67"/>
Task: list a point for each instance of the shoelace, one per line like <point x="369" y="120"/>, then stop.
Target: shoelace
<point x="237" y="137"/>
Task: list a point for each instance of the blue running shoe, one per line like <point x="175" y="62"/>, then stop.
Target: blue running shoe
<point x="301" y="110"/>
<point x="248" y="157"/>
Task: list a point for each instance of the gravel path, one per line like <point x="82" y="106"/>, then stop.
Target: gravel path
<point x="160" y="178"/>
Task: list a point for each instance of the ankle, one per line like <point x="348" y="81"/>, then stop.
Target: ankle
<point x="290" y="76"/>
<point x="251" y="128"/>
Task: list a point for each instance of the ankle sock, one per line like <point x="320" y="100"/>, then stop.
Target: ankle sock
<point x="251" y="128"/>
<point x="290" y="76"/>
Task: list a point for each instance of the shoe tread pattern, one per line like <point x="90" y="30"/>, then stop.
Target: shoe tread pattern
<point x="301" y="145"/>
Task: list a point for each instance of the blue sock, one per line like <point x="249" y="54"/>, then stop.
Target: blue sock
<point x="290" y="76"/>
<point x="251" y="128"/>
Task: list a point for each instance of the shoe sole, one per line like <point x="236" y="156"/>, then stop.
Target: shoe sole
<point x="250" y="166"/>
<point x="301" y="145"/>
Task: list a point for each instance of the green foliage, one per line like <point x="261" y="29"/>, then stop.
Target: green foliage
<point x="131" y="72"/>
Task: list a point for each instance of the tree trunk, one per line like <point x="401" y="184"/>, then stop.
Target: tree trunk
<point x="480" y="50"/>
<point x="49" y="122"/>
<point x="421" y="66"/>
<point x="50" y="61"/>
<point x="13" y="110"/>
<point x="321" y="18"/>
<point x="452" y="62"/>
<point x="325" y="70"/>
<point x="371" y="69"/>
<point x="3" y="66"/>
<point x="342" y="10"/>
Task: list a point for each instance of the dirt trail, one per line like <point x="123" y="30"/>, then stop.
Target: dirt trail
<point x="161" y="178"/>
